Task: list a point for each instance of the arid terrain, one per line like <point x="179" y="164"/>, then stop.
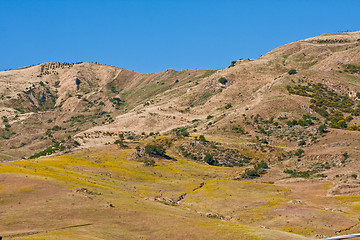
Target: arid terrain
<point x="267" y="148"/>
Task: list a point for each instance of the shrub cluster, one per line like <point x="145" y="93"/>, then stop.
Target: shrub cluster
<point x="328" y="104"/>
<point x="155" y="150"/>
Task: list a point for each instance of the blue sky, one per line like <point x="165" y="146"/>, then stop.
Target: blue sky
<point x="154" y="35"/>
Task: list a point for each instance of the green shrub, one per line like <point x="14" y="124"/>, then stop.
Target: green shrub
<point x="227" y="106"/>
<point x="120" y="142"/>
<point x="155" y="150"/>
<point x="299" y="152"/>
<point x="292" y="72"/>
<point x="50" y="150"/>
<point x="182" y="132"/>
<point x="251" y="173"/>
<point x="232" y="64"/>
<point x="261" y="165"/>
<point x="149" y="162"/>
<point x="223" y="80"/>
<point x="202" y="138"/>
<point x="239" y="129"/>
<point x="322" y="128"/>
<point x="294" y="173"/>
<point x="209" y="159"/>
<point x="302" y="143"/>
<point x="352" y="68"/>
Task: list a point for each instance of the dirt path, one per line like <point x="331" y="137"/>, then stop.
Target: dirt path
<point x="7" y="155"/>
<point x="44" y="231"/>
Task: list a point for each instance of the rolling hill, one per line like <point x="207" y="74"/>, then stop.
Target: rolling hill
<point x="267" y="148"/>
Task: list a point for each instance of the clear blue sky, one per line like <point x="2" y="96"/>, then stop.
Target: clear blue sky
<point x="154" y="35"/>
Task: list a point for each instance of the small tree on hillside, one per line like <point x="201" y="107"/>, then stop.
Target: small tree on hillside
<point x="292" y="72"/>
<point x="77" y="81"/>
<point x="155" y="150"/>
<point x="202" y="138"/>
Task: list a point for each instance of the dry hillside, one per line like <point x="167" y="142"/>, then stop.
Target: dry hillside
<point x="267" y="148"/>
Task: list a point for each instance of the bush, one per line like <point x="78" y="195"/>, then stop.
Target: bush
<point x="292" y="72"/>
<point x="182" y="132"/>
<point x="50" y="150"/>
<point x="149" y="162"/>
<point x="299" y="152"/>
<point x="322" y="128"/>
<point x="227" y="106"/>
<point x="155" y="150"/>
<point x="302" y="143"/>
<point x="223" y="80"/>
<point x="251" y="173"/>
<point x="261" y="165"/>
<point x="239" y="129"/>
<point x="202" y="138"/>
<point x="210" y="160"/>
<point x="120" y="142"/>
<point x="232" y="64"/>
<point x="294" y="173"/>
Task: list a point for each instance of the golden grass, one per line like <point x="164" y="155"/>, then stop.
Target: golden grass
<point x="127" y="204"/>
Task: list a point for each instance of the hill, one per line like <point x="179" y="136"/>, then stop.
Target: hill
<point x="264" y="149"/>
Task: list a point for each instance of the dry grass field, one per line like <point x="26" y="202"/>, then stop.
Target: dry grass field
<point x="103" y="193"/>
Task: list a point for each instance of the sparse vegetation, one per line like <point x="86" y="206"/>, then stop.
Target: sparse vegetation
<point x="352" y="68"/>
<point x="332" y="41"/>
<point x="232" y="64"/>
<point x="294" y="173"/>
<point x="58" y="146"/>
<point x="181" y="132"/>
<point x="329" y="104"/>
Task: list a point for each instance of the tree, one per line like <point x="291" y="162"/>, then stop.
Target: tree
<point x="227" y="106"/>
<point x="223" y="80"/>
<point x="182" y="132"/>
<point x="120" y="142"/>
<point x="155" y="150"/>
<point x="77" y="81"/>
<point x="261" y="165"/>
<point x="299" y="152"/>
<point x="210" y="160"/>
<point x="202" y="138"/>
<point x="292" y="72"/>
<point x="251" y="173"/>
<point x="322" y="128"/>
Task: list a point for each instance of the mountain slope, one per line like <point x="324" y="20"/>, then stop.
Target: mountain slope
<point x="265" y="149"/>
<point x="52" y="101"/>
